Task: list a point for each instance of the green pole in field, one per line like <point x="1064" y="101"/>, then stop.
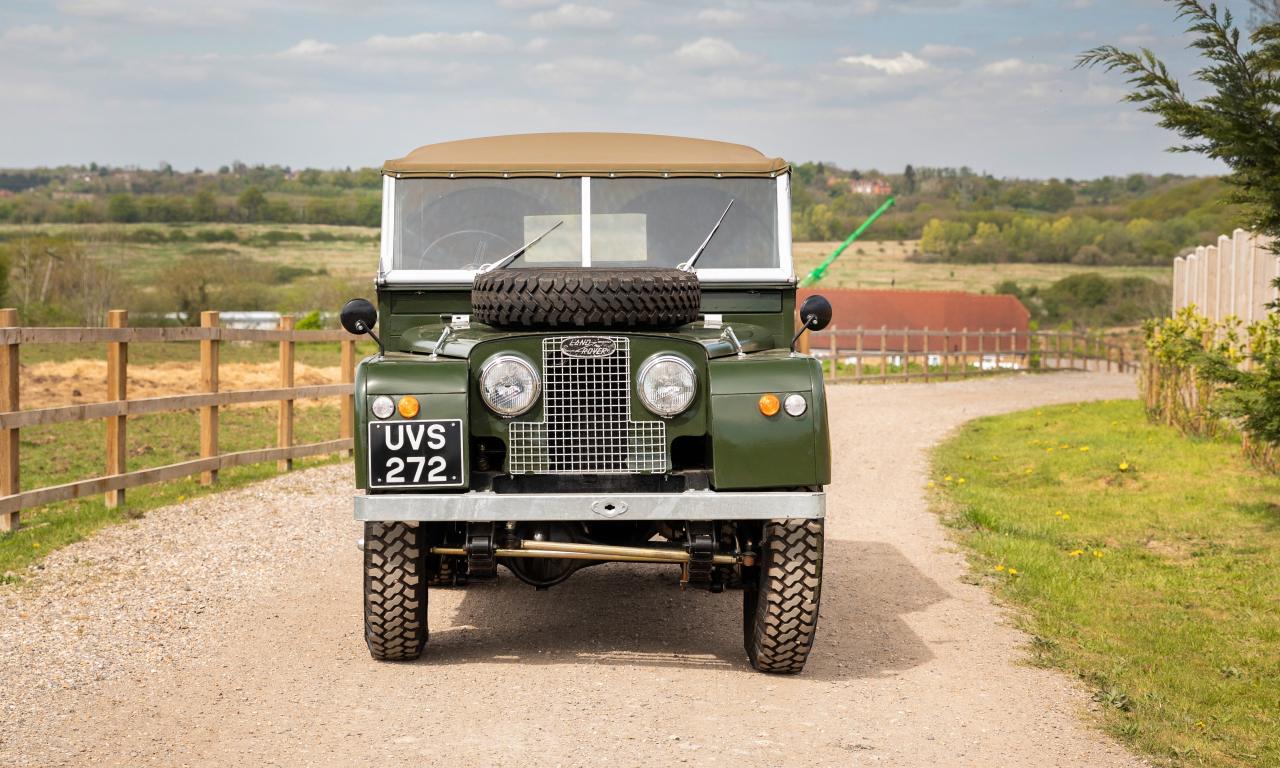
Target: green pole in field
<point x="821" y="269"/>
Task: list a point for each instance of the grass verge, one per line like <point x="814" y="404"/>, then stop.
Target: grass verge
<point x="1144" y="562"/>
<point x="67" y="452"/>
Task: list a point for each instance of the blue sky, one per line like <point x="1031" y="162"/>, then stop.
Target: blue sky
<point x="331" y="83"/>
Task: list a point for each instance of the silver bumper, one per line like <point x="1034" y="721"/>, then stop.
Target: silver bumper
<point x="689" y="505"/>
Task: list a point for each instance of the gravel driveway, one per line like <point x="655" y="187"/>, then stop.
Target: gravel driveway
<point x="228" y="632"/>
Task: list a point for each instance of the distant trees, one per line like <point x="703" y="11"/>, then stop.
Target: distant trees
<point x="1238" y="122"/>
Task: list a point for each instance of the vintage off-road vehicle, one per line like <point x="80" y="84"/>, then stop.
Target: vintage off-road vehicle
<point x="586" y="356"/>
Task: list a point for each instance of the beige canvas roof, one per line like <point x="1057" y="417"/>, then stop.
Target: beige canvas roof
<point x="577" y="154"/>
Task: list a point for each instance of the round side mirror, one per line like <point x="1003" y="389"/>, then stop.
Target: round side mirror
<point x="359" y="316"/>
<point x="815" y="313"/>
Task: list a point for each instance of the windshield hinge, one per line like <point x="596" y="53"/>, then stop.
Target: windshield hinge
<point x="728" y="335"/>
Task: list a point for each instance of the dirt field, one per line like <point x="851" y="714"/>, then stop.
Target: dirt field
<point x="71" y="382"/>
<point x="228" y="632"/>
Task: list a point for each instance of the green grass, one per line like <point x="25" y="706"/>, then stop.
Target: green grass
<point x="1144" y="562"/>
<point x="67" y="452"/>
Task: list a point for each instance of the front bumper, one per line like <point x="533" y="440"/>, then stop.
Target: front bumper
<point x="477" y="506"/>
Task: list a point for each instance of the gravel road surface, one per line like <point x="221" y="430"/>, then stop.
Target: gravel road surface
<point x="227" y="631"/>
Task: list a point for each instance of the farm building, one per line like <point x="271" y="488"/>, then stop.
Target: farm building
<point x="953" y="311"/>
<point x="870" y="187"/>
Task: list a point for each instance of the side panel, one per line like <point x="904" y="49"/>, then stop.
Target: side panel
<point x="439" y="385"/>
<point x="751" y="450"/>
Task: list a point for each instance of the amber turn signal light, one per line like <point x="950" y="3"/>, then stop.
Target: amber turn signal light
<point x="408" y="406"/>
<point x="769" y="405"/>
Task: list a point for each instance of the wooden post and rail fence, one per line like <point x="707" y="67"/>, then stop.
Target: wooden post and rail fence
<point x="907" y="354"/>
<point x="117" y="408"/>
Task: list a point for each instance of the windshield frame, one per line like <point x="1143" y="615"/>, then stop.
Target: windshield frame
<point x="783" y="272"/>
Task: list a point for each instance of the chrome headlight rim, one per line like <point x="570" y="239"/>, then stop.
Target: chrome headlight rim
<point x="534" y="378"/>
<point x="649" y="365"/>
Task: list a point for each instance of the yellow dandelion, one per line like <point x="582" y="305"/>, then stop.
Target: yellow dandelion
<point x="946" y="479"/>
<point x="1077" y="552"/>
<point x="931" y="484"/>
<point x="1065" y="446"/>
<point x="1026" y="471"/>
<point x="1048" y="450"/>
<point x="960" y="481"/>
<point x="1057" y="513"/>
<point x="35" y="545"/>
<point x="1124" y="466"/>
<point x="1013" y="571"/>
<point x="1200" y="724"/>
<point x="1084" y="449"/>
<point x="1097" y="553"/>
<point x="999" y="567"/>
<point x="1065" y="516"/>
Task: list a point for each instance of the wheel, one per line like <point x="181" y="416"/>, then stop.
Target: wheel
<point x="585" y="296"/>
<point x="395" y="591"/>
<point x="780" y="611"/>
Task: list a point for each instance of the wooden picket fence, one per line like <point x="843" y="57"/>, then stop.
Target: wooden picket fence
<point x="905" y="354"/>
<point x="118" y="407"/>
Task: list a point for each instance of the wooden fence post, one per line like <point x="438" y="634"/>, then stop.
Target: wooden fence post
<point x="117" y="389"/>
<point x="857" y="370"/>
<point x="209" y="383"/>
<point x="884" y="352"/>
<point x="284" y="425"/>
<point x="926" y="353"/>
<point x="9" y="402"/>
<point x="964" y="352"/>
<point x="946" y="354"/>
<point x="835" y="353"/>
<point x="347" y="375"/>
<point x="905" y="358"/>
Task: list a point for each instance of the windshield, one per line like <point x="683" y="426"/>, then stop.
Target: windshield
<point x="464" y="224"/>
<point x="661" y="222"/>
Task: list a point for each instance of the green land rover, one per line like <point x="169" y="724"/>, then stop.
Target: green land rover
<point x="586" y="355"/>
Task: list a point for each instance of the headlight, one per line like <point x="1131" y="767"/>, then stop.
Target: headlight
<point x="509" y="385"/>
<point x="667" y="385"/>
<point x="383" y="406"/>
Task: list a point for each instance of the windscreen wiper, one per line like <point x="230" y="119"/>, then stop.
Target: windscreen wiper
<point x="510" y="257"/>
<point x="688" y="265"/>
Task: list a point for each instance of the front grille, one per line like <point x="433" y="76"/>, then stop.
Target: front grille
<point x="586" y="425"/>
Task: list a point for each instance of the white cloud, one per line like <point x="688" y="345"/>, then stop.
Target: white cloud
<point x="709" y="52"/>
<point x="186" y="13"/>
<point x="644" y="40"/>
<point x="522" y="5"/>
<point x="902" y="64"/>
<point x="308" y="47"/>
<point x="456" y="42"/>
<point x="37" y="35"/>
<point x="1015" y="67"/>
<point x="940" y="51"/>
<point x="571" y="15"/>
<point x="720" y="17"/>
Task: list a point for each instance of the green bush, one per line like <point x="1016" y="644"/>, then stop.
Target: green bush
<point x="310" y="322"/>
<point x="1205" y="377"/>
<point x="224" y="235"/>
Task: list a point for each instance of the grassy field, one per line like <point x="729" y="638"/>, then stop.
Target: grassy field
<point x="885" y="265"/>
<point x="1144" y="562"/>
<point x="67" y="452"/>
<point x="350" y="254"/>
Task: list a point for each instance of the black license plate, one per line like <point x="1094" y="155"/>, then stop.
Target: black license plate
<point x="416" y="454"/>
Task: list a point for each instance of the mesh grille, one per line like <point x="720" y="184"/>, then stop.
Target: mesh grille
<point x="587" y="426"/>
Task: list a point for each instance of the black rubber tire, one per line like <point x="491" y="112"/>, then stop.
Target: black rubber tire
<point x="780" y="613"/>
<point x="395" y="591"/>
<point x="585" y="297"/>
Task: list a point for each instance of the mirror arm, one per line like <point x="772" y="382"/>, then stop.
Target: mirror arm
<point x="803" y="327"/>
<point x="382" y="352"/>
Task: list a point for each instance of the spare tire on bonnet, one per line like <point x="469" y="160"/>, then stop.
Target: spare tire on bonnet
<point x="584" y="297"/>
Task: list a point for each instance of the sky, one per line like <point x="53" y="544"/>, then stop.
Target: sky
<point x="987" y="84"/>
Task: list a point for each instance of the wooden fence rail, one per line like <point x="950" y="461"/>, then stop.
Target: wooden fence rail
<point x="906" y="354"/>
<point x="116" y="410"/>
